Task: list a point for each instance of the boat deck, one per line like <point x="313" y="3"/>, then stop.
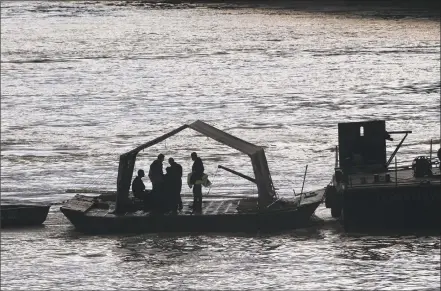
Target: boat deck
<point x="402" y="177"/>
<point x="210" y="206"/>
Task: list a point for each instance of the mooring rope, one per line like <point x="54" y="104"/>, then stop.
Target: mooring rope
<point x="217" y="169"/>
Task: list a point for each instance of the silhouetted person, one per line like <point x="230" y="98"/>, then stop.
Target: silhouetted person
<point x="175" y="171"/>
<point x="197" y="171"/>
<point x="156" y="175"/>
<point x="166" y="201"/>
<point x="138" y="189"/>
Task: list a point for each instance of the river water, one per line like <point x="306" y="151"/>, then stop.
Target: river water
<point x="83" y="82"/>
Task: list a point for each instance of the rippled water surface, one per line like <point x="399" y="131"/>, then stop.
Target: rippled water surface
<point x="84" y="82"/>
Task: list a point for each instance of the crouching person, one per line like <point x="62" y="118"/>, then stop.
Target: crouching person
<point x="139" y="191"/>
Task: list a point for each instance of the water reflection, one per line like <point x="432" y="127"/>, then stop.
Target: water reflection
<point x="158" y="249"/>
<point x="169" y="249"/>
<point x="383" y="248"/>
<point x="280" y="78"/>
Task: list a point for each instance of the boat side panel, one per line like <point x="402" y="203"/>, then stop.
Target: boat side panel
<point x="406" y="207"/>
<point x="23" y="216"/>
<point x="251" y="222"/>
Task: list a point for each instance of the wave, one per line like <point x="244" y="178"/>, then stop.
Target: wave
<point x="337" y="52"/>
<point x="125" y="58"/>
<point x="36" y="61"/>
<point x="47" y="60"/>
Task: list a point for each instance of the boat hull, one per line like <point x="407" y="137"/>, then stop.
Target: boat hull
<point x="268" y="221"/>
<point x="405" y="206"/>
<point x="368" y="193"/>
<point x="20" y="215"/>
<point x="410" y="207"/>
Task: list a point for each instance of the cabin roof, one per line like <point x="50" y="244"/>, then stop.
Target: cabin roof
<point x="256" y="153"/>
<point x="209" y="131"/>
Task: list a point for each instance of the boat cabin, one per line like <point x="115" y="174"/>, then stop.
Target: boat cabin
<point x="266" y="213"/>
<point x="262" y="179"/>
<point x="362" y="145"/>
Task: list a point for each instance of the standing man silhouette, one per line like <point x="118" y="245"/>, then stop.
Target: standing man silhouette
<point x="156" y="175"/>
<point x="175" y="170"/>
<point x="197" y="171"/>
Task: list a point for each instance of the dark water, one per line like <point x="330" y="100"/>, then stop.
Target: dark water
<point x="83" y="82"/>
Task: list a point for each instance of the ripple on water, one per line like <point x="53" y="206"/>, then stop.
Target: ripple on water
<point x="79" y="90"/>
